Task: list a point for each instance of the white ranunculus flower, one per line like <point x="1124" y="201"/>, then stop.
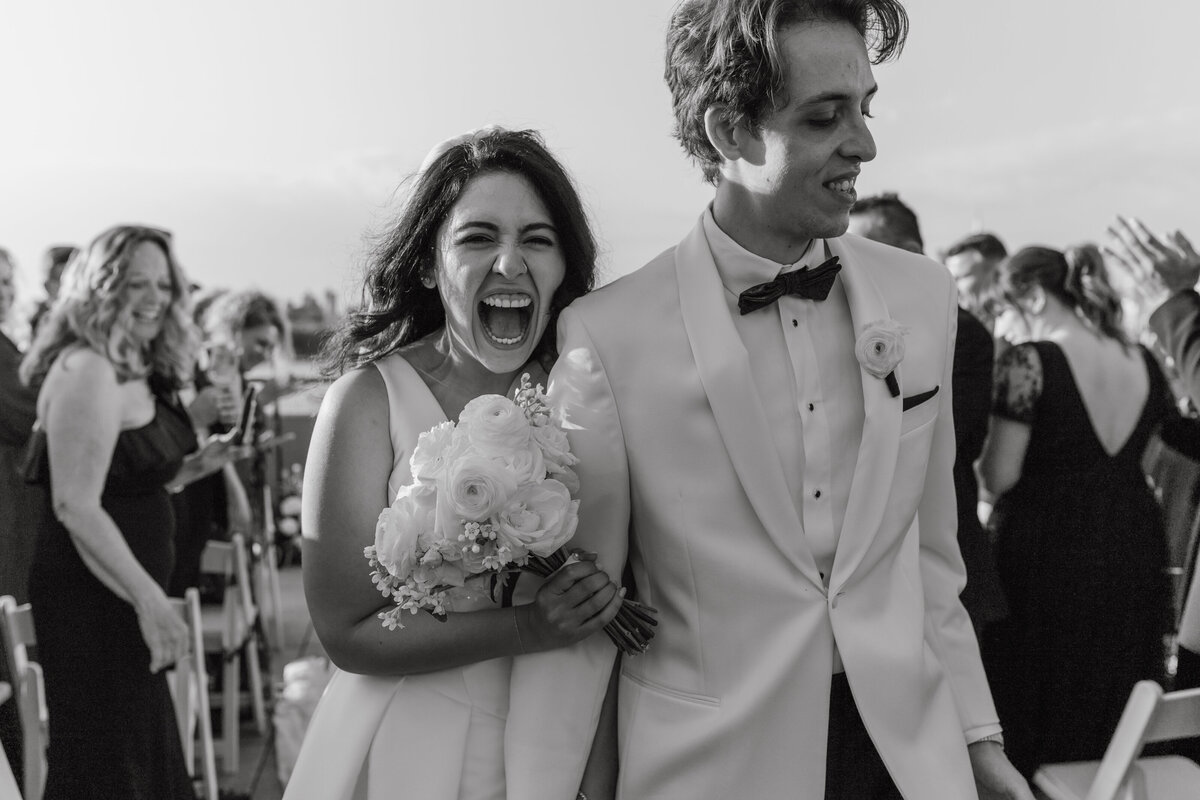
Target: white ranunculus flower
<point x="552" y="440"/>
<point x="401" y="527"/>
<point x="540" y="518"/>
<point x="495" y="425"/>
<point x="527" y="464"/>
<point x="474" y="488"/>
<point x="435" y="449"/>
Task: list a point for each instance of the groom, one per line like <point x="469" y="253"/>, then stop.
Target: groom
<point x="762" y="416"/>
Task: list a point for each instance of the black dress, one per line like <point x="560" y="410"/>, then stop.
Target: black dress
<point x="1081" y="550"/>
<point x="112" y="726"/>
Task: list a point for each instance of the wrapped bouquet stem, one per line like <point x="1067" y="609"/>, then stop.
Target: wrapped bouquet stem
<point x="490" y="495"/>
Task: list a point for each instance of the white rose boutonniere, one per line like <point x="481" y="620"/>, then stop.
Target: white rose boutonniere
<point x="880" y="349"/>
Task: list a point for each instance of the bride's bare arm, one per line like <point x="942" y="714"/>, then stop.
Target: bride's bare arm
<point x="600" y="773"/>
<point x="345" y="488"/>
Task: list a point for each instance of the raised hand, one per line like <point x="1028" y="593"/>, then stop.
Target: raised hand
<point x="1160" y="268"/>
<point x="573" y="603"/>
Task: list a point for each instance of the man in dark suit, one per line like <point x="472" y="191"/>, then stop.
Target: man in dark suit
<point x="885" y="218"/>
<point x="973" y="261"/>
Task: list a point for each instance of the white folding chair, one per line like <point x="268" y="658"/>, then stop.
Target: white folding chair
<point x="29" y="687"/>
<point x="231" y="630"/>
<point x="1149" y="716"/>
<point x="8" y="781"/>
<point x="189" y="690"/>
<point x="267" y="573"/>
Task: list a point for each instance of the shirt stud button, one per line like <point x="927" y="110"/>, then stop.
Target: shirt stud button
<point x="811" y="407"/>
<point x="817" y="493"/>
<point x="795" y="323"/>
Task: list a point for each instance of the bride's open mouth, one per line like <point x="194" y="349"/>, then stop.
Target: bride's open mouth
<point x="506" y="318"/>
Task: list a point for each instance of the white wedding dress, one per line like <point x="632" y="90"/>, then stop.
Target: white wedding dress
<point x="437" y="736"/>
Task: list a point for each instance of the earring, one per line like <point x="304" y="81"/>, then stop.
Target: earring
<point x="428" y="281"/>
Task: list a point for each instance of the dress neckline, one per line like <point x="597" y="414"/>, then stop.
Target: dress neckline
<point x="1151" y="388"/>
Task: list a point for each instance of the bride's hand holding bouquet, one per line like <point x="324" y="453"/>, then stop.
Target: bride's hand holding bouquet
<point x="490" y="496"/>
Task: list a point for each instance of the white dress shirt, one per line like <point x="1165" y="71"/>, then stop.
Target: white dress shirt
<point x="808" y="380"/>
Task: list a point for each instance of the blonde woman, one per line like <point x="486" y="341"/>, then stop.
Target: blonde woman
<point x="106" y="362"/>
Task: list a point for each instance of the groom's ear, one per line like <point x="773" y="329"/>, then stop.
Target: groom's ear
<point x="734" y="142"/>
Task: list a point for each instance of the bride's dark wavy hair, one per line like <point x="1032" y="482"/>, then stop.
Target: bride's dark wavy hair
<point x="397" y="308"/>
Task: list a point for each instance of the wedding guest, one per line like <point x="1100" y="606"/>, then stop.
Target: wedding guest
<point x="1167" y="269"/>
<point x="763" y="424"/>
<point x="1081" y="545"/>
<point x="54" y="261"/>
<point x="249" y="322"/>
<point x="461" y="298"/>
<point x="107" y="362"/>
<point x="241" y="329"/>
<point x="18" y="508"/>
<point x="17" y="414"/>
<point x="885" y="218"/>
<point x="973" y="262"/>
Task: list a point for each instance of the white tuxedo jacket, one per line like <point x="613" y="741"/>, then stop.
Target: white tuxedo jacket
<point x="680" y="474"/>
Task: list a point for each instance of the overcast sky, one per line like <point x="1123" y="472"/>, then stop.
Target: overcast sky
<point x="271" y="137"/>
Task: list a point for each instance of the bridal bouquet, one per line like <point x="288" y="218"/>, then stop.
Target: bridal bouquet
<point x="489" y="496"/>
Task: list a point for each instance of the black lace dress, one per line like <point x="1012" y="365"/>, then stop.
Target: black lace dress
<point x="112" y="726"/>
<point x="1081" y="550"/>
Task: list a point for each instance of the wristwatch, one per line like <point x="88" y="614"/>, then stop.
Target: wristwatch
<point x="998" y="738"/>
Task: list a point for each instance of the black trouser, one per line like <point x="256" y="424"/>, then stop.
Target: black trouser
<point x="853" y="768"/>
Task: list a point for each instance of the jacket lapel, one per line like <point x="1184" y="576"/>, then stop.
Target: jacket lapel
<point x="874" y="470"/>
<point x="724" y="368"/>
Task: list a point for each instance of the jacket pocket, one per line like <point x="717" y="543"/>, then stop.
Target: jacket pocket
<point x="678" y="694"/>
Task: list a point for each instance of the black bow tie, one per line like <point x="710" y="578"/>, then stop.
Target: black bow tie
<point x="811" y="284"/>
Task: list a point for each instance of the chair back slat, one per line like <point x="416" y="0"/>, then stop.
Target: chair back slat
<point x="1126" y="742"/>
<point x="217" y="559"/>
<point x="241" y="567"/>
<point x="21" y="620"/>
<point x="16" y="636"/>
<point x="16" y="633"/>
<point x="1177" y="717"/>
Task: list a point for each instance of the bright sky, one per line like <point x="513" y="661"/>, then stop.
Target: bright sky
<point x="271" y="136"/>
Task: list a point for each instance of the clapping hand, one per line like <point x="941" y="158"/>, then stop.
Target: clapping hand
<point x="1158" y="268"/>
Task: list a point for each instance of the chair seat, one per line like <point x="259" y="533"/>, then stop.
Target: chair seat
<point x="1157" y="778"/>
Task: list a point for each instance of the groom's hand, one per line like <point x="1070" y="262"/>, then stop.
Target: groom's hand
<point x="995" y="777"/>
<point x="575" y="602"/>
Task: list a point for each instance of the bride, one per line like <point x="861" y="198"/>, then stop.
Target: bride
<point x="461" y="298"/>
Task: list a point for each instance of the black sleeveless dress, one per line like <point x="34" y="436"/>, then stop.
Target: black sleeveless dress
<point x="112" y="726"/>
<point x="1081" y="549"/>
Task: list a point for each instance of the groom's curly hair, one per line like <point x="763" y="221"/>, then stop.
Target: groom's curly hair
<point x="726" y="52"/>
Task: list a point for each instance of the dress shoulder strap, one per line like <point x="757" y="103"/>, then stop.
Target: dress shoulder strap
<point x="412" y="410"/>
